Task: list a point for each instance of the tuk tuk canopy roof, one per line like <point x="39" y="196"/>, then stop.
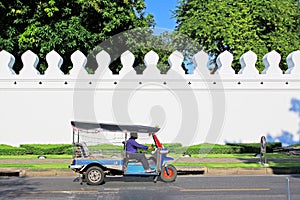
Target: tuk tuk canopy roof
<point x="97" y="127"/>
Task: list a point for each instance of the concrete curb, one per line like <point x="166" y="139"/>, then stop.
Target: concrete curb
<point x="237" y="171"/>
<point x="50" y="173"/>
<point x="12" y="172"/>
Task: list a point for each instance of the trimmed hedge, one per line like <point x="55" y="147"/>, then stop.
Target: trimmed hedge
<point x="175" y="148"/>
<point x="231" y="148"/>
<point x="255" y="147"/>
<point x="106" y="147"/>
<point x="10" y="150"/>
<point x="46" y="149"/>
<point x="213" y="149"/>
<point x="56" y="149"/>
<point x="294" y="145"/>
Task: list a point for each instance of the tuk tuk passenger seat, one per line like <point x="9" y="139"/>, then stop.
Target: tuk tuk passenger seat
<point x="127" y="160"/>
<point x="84" y="149"/>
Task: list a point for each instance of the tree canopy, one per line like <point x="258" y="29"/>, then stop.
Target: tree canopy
<point x="242" y="25"/>
<point x="65" y="26"/>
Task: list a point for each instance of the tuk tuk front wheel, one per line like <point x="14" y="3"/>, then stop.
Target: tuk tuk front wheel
<point x="168" y="173"/>
<point x="94" y="176"/>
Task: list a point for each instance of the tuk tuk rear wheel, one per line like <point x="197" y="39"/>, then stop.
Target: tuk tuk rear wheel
<point x="94" y="176"/>
<point x="168" y="173"/>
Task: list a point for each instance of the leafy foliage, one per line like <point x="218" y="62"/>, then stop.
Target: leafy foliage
<point x="106" y="147"/>
<point x="242" y="25"/>
<point x="45" y="149"/>
<point x="140" y="41"/>
<point x="255" y="147"/>
<point x="212" y="149"/>
<point x="10" y="150"/>
<point x="164" y="45"/>
<point x="205" y="148"/>
<point x="65" y="26"/>
<point x="230" y="148"/>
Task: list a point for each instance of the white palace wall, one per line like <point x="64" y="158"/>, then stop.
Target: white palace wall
<point x="189" y="108"/>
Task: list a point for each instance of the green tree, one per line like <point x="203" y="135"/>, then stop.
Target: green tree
<point x="242" y="25"/>
<point x="141" y="41"/>
<point x="65" y="26"/>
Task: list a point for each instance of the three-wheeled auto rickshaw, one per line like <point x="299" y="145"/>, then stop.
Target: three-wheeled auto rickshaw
<point x="95" y="155"/>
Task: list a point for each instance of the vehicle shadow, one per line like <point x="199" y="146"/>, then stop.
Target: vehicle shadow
<point x="133" y="179"/>
<point x="16" y="188"/>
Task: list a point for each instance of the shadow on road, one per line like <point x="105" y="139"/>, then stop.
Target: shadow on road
<point x="137" y="179"/>
<point x="16" y="187"/>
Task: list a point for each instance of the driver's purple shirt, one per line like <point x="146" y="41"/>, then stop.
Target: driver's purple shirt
<point x="132" y="146"/>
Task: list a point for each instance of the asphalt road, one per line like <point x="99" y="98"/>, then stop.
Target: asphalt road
<point x="185" y="187"/>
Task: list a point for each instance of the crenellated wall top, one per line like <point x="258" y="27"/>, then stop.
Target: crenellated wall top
<point x="224" y="73"/>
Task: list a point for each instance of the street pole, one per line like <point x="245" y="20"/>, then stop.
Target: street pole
<point x="288" y="195"/>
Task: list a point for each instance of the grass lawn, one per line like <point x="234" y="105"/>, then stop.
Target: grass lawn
<point x="37" y="166"/>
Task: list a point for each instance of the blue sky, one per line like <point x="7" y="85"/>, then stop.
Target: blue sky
<point x="162" y="11"/>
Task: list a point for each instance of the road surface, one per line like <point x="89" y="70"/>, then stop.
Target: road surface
<point x="185" y="187"/>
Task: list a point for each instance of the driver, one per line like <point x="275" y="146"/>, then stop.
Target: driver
<point x="131" y="149"/>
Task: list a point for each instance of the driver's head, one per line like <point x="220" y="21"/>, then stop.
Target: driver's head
<point x="133" y="135"/>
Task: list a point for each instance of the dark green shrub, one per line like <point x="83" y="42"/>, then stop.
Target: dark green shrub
<point x="46" y="149"/>
<point x="69" y="151"/>
<point x="255" y="147"/>
<point x="106" y="147"/>
<point x="10" y="150"/>
<point x="175" y="148"/>
<point x="294" y="145"/>
<point x="247" y="147"/>
<point x="172" y="145"/>
<point x="212" y="149"/>
<point x="273" y="145"/>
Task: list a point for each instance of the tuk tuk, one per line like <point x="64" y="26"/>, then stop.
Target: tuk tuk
<point x="99" y="150"/>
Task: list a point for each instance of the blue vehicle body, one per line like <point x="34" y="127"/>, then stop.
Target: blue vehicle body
<point x="132" y="168"/>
